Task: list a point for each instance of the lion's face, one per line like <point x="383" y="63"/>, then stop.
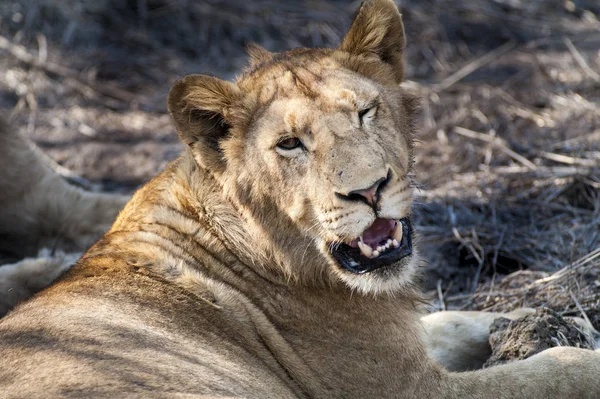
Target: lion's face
<point x="320" y="142"/>
<point x="332" y="150"/>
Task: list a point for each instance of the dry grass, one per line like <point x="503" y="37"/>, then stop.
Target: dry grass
<point x="509" y="153"/>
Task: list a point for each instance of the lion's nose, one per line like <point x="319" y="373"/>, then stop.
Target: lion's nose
<point x="369" y="195"/>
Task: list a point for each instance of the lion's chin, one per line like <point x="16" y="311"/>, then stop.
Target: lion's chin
<point x="392" y="279"/>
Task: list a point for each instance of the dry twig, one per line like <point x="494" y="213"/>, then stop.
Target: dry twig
<point x="496" y="142"/>
<point x="472" y="66"/>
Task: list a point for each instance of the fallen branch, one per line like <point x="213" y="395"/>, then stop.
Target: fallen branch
<point x="580" y="60"/>
<point x="473" y="66"/>
<point x="498" y="143"/>
<point x="568" y="160"/>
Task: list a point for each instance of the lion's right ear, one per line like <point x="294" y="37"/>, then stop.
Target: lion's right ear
<point x="199" y="106"/>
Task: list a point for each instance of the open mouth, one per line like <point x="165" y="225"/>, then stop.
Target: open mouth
<point x="384" y="243"/>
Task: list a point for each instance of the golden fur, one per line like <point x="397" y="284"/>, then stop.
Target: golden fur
<point x="216" y="279"/>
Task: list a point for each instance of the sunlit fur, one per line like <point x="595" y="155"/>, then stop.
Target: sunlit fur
<point x="288" y="199"/>
<point x="215" y="280"/>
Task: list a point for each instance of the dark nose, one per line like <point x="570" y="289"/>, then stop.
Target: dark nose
<point x="369" y="195"/>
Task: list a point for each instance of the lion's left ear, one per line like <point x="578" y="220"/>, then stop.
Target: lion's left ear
<point x="200" y="106"/>
<point x="377" y="30"/>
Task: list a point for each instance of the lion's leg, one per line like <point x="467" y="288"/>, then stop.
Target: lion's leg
<point x="38" y="208"/>
<point x="560" y="372"/>
<point x="20" y="280"/>
<point x="458" y="340"/>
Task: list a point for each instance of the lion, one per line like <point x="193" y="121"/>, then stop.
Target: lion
<point x="275" y="258"/>
<point x="45" y="222"/>
<point x="27" y="235"/>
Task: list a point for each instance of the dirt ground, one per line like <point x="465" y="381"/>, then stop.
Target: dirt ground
<point x="508" y="158"/>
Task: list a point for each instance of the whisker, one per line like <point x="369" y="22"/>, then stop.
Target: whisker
<point x="305" y="251"/>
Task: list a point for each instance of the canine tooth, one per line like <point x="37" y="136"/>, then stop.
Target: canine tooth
<point x="395" y="243"/>
<point x="375" y="254"/>
<point x="398" y="232"/>
<point x="389" y="241"/>
<point x="365" y="249"/>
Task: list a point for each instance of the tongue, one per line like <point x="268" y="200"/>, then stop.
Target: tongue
<point x="379" y="232"/>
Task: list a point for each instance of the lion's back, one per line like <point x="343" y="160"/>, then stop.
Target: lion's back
<point x="104" y="332"/>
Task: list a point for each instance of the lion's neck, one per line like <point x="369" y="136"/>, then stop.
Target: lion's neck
<point x="331" y="342"/>
<point x="353" y="345"/>
<point x="184" y="207"/>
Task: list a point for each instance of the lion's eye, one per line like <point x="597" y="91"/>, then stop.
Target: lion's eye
<point x="367" y="114"/>
<point x="289" y="143"/>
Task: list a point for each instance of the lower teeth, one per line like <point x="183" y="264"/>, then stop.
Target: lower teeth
<point x="369" y="252"/>
<point x="393" y="241"/>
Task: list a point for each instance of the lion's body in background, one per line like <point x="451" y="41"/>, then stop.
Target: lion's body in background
<point x="45" y="223"/>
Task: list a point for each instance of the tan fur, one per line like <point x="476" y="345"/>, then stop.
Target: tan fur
<point x="460" y="340"/>
<point x="39" y="209"/>
<point x="257" y="55"/>
<point x="216" y="279"/>
<point x="20" y="280"/>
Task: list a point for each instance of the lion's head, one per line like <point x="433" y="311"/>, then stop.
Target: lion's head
<point x="316" y="142"/>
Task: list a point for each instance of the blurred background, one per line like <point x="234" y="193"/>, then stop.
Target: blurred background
<point x="508" y="158"/>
